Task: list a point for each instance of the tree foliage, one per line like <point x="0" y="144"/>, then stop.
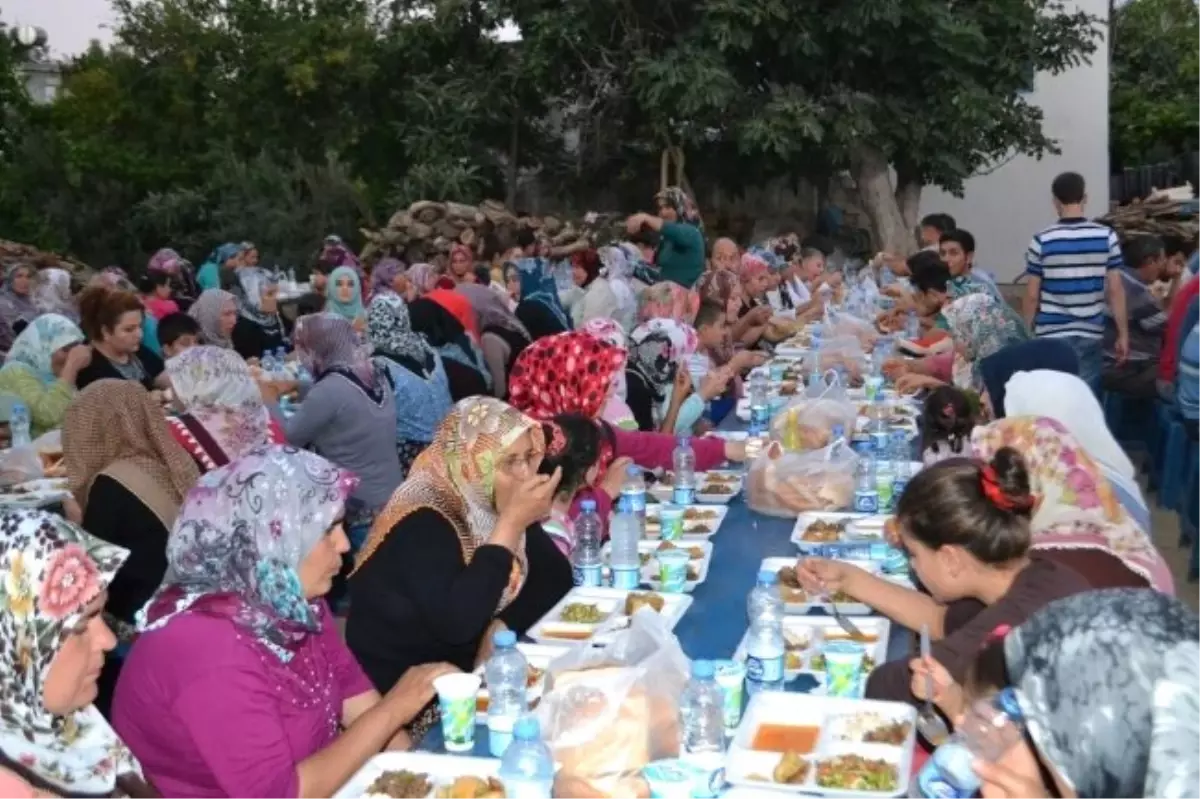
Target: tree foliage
<point x="1155" y="83"/>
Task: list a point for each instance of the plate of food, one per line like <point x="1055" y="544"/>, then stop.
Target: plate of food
<point x="416" y="775"/>
<point x="539" y="657"/>
<point x="35" y="493"/>
<point x="806" y="744"/>
<point x="798" y="601"/>
<point x="803" y="637"/>
<point x="714" y="487"/>
<point x="699" y="558"/>
<point x="592" y="614"/>
<point x="833" y="534"/>
<point x="699" y="521"/>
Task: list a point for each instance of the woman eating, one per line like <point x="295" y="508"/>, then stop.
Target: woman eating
<point x="502" y="337"/>
<point x="259" y="329"/>
<point x="54" y="639"/>
<point x="43" y="368"/>
<point x="659" y="383"/>
<point x="459" y="551"/>
<point x="222" y="412"/>
<point x="344" y="297"/>
<point x="216" y="311"/>
<point x="217" y="271"/>
<point x="539" y="307"/>
<point x="465" y="366"/>
<point x="421" y="387"/>
<point x="592" y="297"/>
<point x="112" y="320"/>
<point x="680" y="254"/>
<point x="264" y="698"/>
<point x="745" y="329"/>
<point x="966" y="527"/>
<point x="16" y="303"/>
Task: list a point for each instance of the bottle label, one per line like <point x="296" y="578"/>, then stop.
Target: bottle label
<point x="587" y="576"/>
<point x="898" y="486"/>
<point x="626" y="579"/>
<point x="635" y="501"/>
<point x="683" y="495"/>
<point x="765" y="670"/>
<point x="759" y="417"/>
<point x="525" y="788"/>
<point x="931" y="783"/>
<point x="879" y="441"/>
<point x="866" y="502"/>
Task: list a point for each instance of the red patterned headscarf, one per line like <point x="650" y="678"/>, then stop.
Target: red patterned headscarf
<point x="571" y="372"/>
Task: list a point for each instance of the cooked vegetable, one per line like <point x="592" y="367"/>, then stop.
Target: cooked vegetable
<point x="791" y="770"/>
<point x="582" y="613"/>
<point x="894" y="733"/>
<point x="856" y="773"/>
<point x="401" y="785"/>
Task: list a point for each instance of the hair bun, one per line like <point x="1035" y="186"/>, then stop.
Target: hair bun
<point x="1005" y="482"/>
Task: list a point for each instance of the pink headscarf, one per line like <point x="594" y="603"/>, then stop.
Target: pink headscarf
<point x="668" y="300"/>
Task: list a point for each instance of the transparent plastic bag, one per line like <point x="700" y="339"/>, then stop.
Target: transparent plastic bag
<point x="20" y="465"/>
<point x="781" y="483"/>
<point x="608" y="711"/>
<point x="807" y="422"/>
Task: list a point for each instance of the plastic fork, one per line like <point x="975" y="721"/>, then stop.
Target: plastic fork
<point x="929" y="721"/>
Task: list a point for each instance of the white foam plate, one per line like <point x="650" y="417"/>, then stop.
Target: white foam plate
<point x="837" y="718"/>
<point x="731" y="435"/>
<point x="662" y="491"/>
<point x="550" y="629"/>
<point x="650" y="569"/>
<point x="846" y="608"/>
<point x="35" y="493"/>
<point x="807" y="634"/>
<point x="442" y="770"/>
<point x="714" y="517"/>
<point x="539" y="656"/>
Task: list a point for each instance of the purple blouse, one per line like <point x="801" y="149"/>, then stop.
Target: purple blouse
<point x="210" y="712"/>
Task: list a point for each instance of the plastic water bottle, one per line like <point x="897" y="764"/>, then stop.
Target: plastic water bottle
<point x="866" y="492"/>
<point x="585" y="558"/>
<point x="506" y="672"/>
<point x="764" y="642"/>
<point x="764" y="597"/>
<point x="633" y="491"/>
<point x="825" y="292"/>
<point x="291" y="276"/>
<point x="268" y="365"/>
<point x="912" y="327"/>
<point x="839" y="433"/>
<point x="625" y="530"/>
<point x="989" y="729"/>
<point x="18" y="425"/>
<point x="527" y="768"/>
<point x="877" y="428"/>
<point x="702" y="713"/>
<point x="760" y="403"/>
<point x="901" y="464"/>
<point x="684" y="463"/>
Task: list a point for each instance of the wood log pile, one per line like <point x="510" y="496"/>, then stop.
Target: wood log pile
<point x="427" y="229"/>
<point x="13" y="253"/>
<point x="1160" y="214"/>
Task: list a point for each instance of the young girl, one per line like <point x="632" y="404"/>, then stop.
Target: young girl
<point x="156" y="294"/>
<point x="946" y="425"/>
<point x="573" y="444"/>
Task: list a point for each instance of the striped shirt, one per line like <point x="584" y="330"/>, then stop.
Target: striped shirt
<point x="1187" y="382"/>
<point x="1072" y="259"/>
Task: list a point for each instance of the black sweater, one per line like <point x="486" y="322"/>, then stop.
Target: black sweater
<point x="252" y="340"/>
<point x="102" y="368"/>
<point x="414" y="601"/>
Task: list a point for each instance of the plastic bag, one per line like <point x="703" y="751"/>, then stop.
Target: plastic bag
<point x="608" y="711"/>
<point x="19" y="465"/>
<point x="808" y="422"/>
<point x="785" y="484"/>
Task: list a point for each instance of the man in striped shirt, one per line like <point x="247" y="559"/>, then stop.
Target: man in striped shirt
<point x="1071" y="266"/>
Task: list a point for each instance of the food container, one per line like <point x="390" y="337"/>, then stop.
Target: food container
<point x="731" y="678"/>
<point x="843" y="668"/>
<point x="673" y="570"/>
<point x="439" y="770"/>
<point x="456" y="698"/>
<point x="671" y="522"/>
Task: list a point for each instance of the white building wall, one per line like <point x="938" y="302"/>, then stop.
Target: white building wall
<point x="1004" y="208"/>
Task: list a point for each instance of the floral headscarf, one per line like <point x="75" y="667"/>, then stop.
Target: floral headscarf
<point x="384" y="274"/>
<point x="618" y="270"/>
<point x="52" y="293"/>
<point x="979" y="328"/>
<point x="423" y="277"/>
<point x="668" y="300"/>
<point x="183" y="277"/>
<point x="335" y="253"/>
<point x="350" y="310"/>
<point x="752" y="265"/>
<point x="326" y="343"/>
<point x="255" y="280"/>
<point x="34" y="348"/>
<point x="571" y="372"/>
<point x="52" y="571"/>
<point x="1076" y="507"/>
<point x="207" y="311"/>
<point x="491" y="309"/>
<point x="718" y="286"/>
<point x="655" y="350"/>
<point x="390" y="332"/>
<point x="217" y="389"/>
<point x="239" y="541"/>
<point x="114" y="277"/>
<point x="1106" y="683"/>
<point x="456" y="477"/>
<point x="684" y="206"/>
<point x="538" y="285"/>
<point x="15" y="307"/>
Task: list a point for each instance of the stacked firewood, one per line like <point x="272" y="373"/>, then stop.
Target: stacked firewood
<point x="427" y="229"/>
<point x="15" y="254"/>
<point x="1161" y="214"/>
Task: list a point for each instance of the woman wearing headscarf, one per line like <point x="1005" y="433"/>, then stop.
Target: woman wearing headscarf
<point x="460" y="268"/>
<point x="422" y="278"/>
<point x="460" y="307"/>
<point x="344" y="297"/>
<point x="422" y="388"/>
<point x="592" y="297"/>
<point x="335" y="253"/>
<point x="53" y="640"/>
<point x="1104" y="684"/>
<point x="388" y="278"/>
<point x="502" y="337"/>
<point x="222" y="412"/>
<point x="680" y="254"/>
<point x="1036" y="355"/>
<point x="343" y="415"/>
<point x="1078" y="519"/>
<point x="539" y="307"/>
<point x="52" y="293"/>
<point x="659" y="382"/>
<point x="264" y="698"/>
<point x="217" y="271"/>
<point x="216" y="311"/>
<point x="618" y="271"/>
<point x="755" y="274"/>
<point x="459" y="551"/>
<point x="745" y="329"/>
<point x="43" y="367"/>
<point x="260" y="328"/>
<point x="128" y="476"/>
<point x="184" y="287"/>
<point x="17" y="307"/>
<point x="668" y="300"/>
<point x="616" y="410"/>
<point x="465" y="366"/>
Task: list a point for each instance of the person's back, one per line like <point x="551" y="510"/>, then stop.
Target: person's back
<point x="1187" y="381"/>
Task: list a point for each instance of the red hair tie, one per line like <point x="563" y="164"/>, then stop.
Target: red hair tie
<point x="990" y="484"/>
<point x="558" y="440"/>
<point x="998" y="634"/>
<point x="948" y="410"/>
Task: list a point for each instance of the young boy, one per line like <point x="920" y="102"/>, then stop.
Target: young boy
<point x="712" y="329"/>
<point x="177" y="332"/>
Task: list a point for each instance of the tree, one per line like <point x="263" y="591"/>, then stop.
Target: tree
<point x="14" y="101"/>
<point x="1155" y="73"/>
<point x="929" y="89"/>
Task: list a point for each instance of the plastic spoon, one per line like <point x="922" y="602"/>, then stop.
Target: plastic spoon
<point x="929" y="721"/>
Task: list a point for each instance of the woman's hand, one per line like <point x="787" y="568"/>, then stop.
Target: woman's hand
<point x="715" y="383"/>
<point x="414" y="691"/>
<point x="895" y="368"/>
<point x="735" y="451"/>
<point x="911" y="383"/>
<point x="486" y="646"/>
<point x="947" y="694"/>
<point x="613" y="478"/>
<point x="530" y="502"/>
<point x="78" y="358"/>
<point x="747" y="359"/>
<point x="818" y="575"/>
<point x="760" y="315"/>
<point x="682" y="385"/>
<point x="999" y="781"/>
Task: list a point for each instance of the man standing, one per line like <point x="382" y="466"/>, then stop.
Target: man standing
<point x="1135" y="375"/>
<point x="1071" y="266"/>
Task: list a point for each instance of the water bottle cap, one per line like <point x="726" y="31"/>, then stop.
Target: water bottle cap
<point x="527" y="729"/>
<point x="588" y="505"/>
<point x="503" y="639"/>
<point x="633" y="470"/>
<point x="703" y="669"/>
<point x="684" y="439"/>
<point x="767" y="577"/>
<point x="838" y="431"/>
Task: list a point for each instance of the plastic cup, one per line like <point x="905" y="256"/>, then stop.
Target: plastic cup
<point x="456" y="698"/>
<point x="672" y="570"/>
<point x="671" y="520"/>
<point x="874" y="387"/>
<point x="731" y="677"/>
<point x="843" y="668"/>
<point x="778" y="369"/>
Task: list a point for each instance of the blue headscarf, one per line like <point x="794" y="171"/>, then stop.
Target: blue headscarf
<point x="209" y="276"/>
<point x="350" y="310"/>
<point x="34" y="348"/>
<point x="537" y="284"/>
<point x="1053" y="354"/>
